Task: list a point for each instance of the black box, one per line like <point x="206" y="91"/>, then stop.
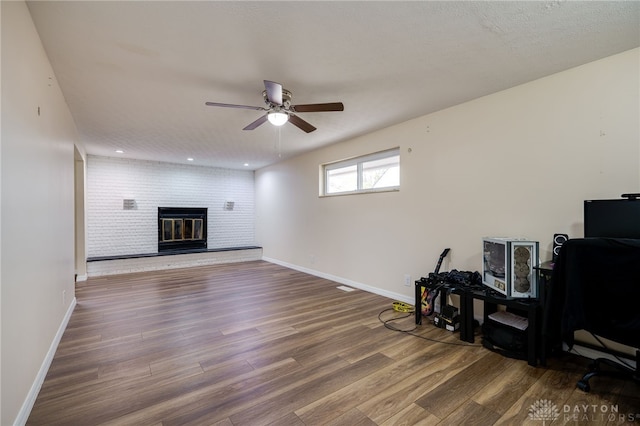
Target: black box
<point x="448" y="318"/>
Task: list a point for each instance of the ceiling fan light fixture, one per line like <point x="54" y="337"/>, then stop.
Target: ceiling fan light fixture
<point x="277" y="118"/>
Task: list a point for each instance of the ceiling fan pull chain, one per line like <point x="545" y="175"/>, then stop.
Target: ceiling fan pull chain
<point x="279" y="143"/>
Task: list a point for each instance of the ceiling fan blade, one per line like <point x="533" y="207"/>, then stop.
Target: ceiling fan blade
<point x="256" y="123"/>
<point x="300" y="123"/>
<point x="332" y="106"/>
<point x="274" y="92"/>
<point x="218" y="104"/>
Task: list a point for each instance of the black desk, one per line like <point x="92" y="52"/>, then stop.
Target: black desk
<point x="545" y="270"/>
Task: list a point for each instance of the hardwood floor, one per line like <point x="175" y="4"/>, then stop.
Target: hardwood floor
<point x="258" y="344"/>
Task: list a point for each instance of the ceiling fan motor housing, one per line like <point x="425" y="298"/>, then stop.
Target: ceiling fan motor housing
<point x="286" y="98"/>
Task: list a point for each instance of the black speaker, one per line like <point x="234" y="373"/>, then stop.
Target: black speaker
<point x="558" y="240"/>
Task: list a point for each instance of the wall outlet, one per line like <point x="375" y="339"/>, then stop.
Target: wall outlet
<point x="407" y="280"/>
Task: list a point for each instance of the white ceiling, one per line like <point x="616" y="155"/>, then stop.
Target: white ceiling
<point x="136" y="75"/>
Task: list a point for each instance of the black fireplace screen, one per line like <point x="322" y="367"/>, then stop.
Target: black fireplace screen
<point x="182" y="228"/>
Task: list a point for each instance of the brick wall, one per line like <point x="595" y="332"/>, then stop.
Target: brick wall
<point x="112" y="230"/>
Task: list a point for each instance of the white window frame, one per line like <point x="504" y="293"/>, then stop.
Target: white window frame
<point x="357" y="161"/>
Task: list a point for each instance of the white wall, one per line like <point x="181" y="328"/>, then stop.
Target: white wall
<point x="114" y="231"/>
<point x="80" y="195"/>
<point x="0" y="232"/>
<point x="37" y="211"/>
<point x="516" y="163"/>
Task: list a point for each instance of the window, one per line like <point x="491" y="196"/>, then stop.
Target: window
<point x="369" y="173"/>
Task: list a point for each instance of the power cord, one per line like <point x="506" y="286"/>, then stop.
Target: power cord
<point x="388" y="324"/>
<point x="403" y="307"/>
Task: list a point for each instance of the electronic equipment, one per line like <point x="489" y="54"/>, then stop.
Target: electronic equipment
<point x="504" y="339"/>
<point x="449" y="319"/>
<point x="618" y="218"/>
<point x="508" y="265"/>
<point x="558" y="241"/>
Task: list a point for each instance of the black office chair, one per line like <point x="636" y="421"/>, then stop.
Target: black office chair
<point x="595" y="286"/>
<point x="618" y="369"/>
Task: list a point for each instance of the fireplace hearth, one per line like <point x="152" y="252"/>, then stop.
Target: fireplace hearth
<point x="182" y="229"/>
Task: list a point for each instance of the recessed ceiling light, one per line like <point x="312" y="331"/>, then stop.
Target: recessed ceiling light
<point x="119" y="151"/>
<point x="189" y="159"/>
<point x="246" y="164"/>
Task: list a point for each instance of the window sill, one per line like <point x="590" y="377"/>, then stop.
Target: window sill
<point x="368" y="191"/>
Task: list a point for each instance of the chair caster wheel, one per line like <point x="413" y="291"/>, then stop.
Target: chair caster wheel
<point x="583" y="385"/>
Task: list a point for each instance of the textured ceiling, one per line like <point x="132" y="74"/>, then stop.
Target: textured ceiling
<point x="136" y="75"/>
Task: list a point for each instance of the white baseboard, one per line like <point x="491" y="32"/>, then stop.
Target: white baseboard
<point x="345" y="281"/>
<point x="27" y="405"/>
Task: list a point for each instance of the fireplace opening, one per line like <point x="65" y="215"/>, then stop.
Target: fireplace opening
<point x="182" y="229"/>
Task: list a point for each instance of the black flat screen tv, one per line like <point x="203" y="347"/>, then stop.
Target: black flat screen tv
<point x="612" y="218"/>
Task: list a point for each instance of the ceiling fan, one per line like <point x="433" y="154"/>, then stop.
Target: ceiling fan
<point x="279" y="109"/>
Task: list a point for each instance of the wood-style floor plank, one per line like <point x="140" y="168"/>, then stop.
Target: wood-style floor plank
<point x="258" y="344"/>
